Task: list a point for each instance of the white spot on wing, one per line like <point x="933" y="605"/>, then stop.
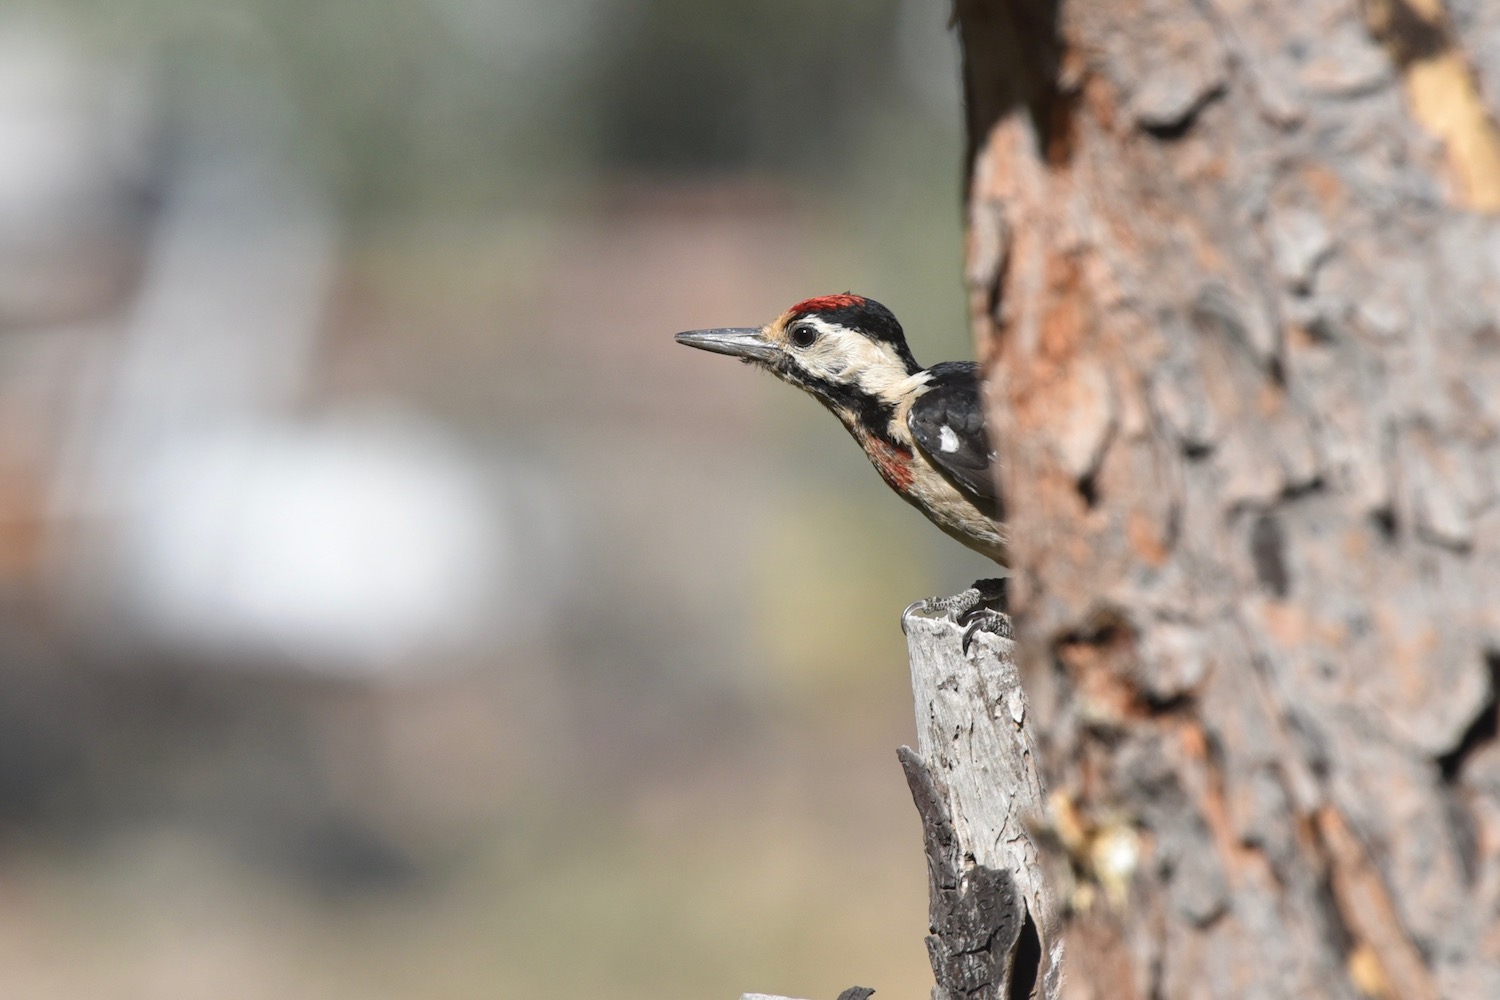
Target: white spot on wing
<point x="947" y="440"/>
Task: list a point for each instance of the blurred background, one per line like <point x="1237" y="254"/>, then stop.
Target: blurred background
<point x="391" y="609"/>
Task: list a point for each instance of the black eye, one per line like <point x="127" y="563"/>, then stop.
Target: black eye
<point x="803" y="335"/>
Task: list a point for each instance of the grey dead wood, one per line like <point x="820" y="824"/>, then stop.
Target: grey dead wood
<point x="995" y="928"/>
<point x="995" y="932"/>
<point x="1234" y="269"/>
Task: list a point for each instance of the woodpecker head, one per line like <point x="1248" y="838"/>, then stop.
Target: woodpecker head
<point x="846" y="350"/>
<point x="923" y="430"/>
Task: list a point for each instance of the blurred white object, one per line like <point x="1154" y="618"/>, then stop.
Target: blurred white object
<point x="347" y="546"/>
<point x="74" y="138"/>
<point x="203" y="519"/>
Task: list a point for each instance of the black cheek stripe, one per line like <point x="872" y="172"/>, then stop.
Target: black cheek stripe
<point x="872" y="413"/>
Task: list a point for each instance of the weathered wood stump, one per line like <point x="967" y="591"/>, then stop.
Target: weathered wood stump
<point x="975" y="781"/>
<point x="974" y="778"/>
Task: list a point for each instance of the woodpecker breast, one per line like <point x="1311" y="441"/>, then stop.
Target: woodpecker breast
<point x="929" y="445"/>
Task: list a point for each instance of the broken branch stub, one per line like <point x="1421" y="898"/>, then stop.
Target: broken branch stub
<point x="973" y="777"/>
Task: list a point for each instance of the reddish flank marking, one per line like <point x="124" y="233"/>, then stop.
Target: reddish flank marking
<point x="893" y="463"/>
<point x="828" y="303"/>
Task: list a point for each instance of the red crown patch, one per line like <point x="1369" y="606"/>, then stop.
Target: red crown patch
<point x="828" y="303"/>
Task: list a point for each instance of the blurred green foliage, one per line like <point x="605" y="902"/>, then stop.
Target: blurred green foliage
<point x="462" y="103"/>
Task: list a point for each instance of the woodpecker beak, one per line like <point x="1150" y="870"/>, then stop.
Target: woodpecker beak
<point x="746" y="343"/>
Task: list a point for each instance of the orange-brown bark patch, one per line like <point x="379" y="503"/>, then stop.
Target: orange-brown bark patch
<point x="1063" y="320"/>
<point x="1367" y="909"/>
<point x="1145" y="541"/>
<point x="1099" y="98"/>
<point x="1325" y="185"/>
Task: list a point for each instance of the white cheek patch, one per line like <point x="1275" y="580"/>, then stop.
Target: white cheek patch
<point x="947" y="440"/>
<point x="850" y="358"/>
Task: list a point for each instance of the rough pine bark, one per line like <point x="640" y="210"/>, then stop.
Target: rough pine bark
<point x="1234" y="276"/>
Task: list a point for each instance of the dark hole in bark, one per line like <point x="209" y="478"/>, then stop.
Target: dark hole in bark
<point x="1277" y="371"/>
<point x="1173" y="704"/>
<point x="1170" y="131"/>
<point x="1303" y="489"/>
<point x="1088" y="488"/>
<point x="1323" y="331"/>
<point x="1411" y="36"/>
<point x="996" y="297"/>
<point x="1028" y="964"/>
<point x="1268" y="551"/>
<point x="1386" y="523"/>
<point x="1196" y="451"/>
<point x="1483" y="730"/>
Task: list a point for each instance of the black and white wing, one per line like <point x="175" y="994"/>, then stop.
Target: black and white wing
<point x="947" y="423"/>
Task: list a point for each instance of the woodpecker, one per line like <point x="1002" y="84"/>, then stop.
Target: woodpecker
<point x="922" y="428"/>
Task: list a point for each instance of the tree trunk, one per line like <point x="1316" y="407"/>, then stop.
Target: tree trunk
<point x="1231" y="275"/>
